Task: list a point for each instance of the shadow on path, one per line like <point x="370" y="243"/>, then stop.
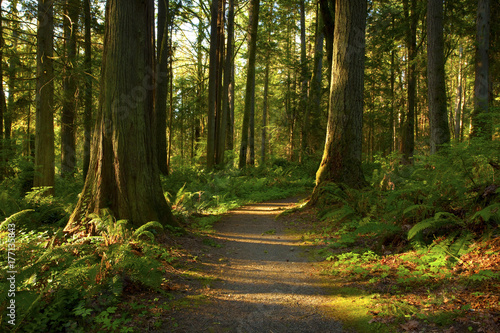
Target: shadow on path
<point x="265" y="282"/>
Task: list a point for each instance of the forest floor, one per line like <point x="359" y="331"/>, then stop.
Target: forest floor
<point x="255" y="276"/>
<point x="255" y="272"/>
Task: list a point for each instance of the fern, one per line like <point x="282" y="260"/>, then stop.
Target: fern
<point x="438" y="220"/>
<point x="15" y="218"/>
<point x="142" y="230"/>
<point x="491" y="212"/>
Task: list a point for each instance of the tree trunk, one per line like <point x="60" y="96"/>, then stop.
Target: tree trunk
<point x="458" y="98"/>
<point x="224" y="109"/>
<point x="228" y="75"/>
<point x="14" y="67"/>
<point x="247" y="130"/>
<point x="481" y="125"/>
<point x="87" y="118"/>
<point x="162" y="84"/>
<point x="123" y="174"/>
<point x="408" y="137"/>
<point x="315" y="90"/>
<point x="438" y="115"/>
<point x="212" y="85"/>
<point x="341" y="161"/>
<point x="327" y="8"/>
<point x="68" y="144"/>
<point x="303" y="87"/>
<point x="264" y="116"/>
<point x="44" y="137"/>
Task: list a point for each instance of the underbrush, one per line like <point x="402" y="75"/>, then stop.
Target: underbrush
<point x="60" y="284"/>
<point x="195" y="192"/>
<point x="118" y="280"/>
<point x="423" y="239"/>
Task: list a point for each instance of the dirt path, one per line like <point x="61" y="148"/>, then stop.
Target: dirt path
<point x="264" y="280"/>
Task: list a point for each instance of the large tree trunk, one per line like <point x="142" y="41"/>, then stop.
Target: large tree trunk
<point x="438" y="115"/>
<point x="87" y="117"/>
<point x="162" y="82"/>
<point x="123" y="174"/>
<point x="68" y="144"/>
<point x="246" y="153"/>
<point x="341" y="161"/>
<point x="481" y="125"/>
<point x="44" y="137"/>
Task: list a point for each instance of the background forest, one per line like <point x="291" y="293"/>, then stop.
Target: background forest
<point x="242" y="100"/>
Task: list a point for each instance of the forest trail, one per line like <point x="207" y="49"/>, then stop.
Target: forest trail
<point x="264" y="279"/>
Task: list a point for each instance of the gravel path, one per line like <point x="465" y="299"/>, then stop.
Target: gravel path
<point x="265" y="282"/>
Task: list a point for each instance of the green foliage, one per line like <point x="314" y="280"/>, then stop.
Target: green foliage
<point x="195" y="191"/>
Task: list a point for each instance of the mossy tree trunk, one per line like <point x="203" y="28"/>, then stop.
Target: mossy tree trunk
<point x="341" y="161"/>
<point x="123" y="174"/>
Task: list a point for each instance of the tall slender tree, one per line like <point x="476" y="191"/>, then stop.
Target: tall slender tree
<point x="212" y="84"/>
<point x="225" y="119"/>
<point x="408" y="135"/>
<point x="68" y="115"/>
<point x="44" y="135"/>
<point x="247" y="153"/>
<point x="341" y="162"/>
<point x="162" y="81"/>
<point x="438" y="115"/>
<point x="87" y="117"/>
<point x="123" y="174"/>
<point x="481" y="126"/>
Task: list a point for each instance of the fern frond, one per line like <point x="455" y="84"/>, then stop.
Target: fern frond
<point x="14" y="218"/>
<point x="142" y="230"/>
<point x="418" y="208"/>
<point x="487" y="213"/>
<point x="438" y="220"/>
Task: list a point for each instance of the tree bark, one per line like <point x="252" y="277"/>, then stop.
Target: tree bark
<point x="481" y="125"/>
<point x="408" y="137"/>
<point x="315" y="90"/>
<point x="341" y="161"/>
<point x="438" y="115"/>
<point x="44" y="137"/>
<point x="303" y="86"/>
<point x="123" y="174"/>
<point x="458" y="98"/>
<point x="212" y="85"/>
<point x="246" y="150"/>
<point x="68" y="144"/>
<point x="87" y="117"/>
<point x="224" y="111"/>
<point x="228" y="94"/>
<point x="162" y="84"/>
